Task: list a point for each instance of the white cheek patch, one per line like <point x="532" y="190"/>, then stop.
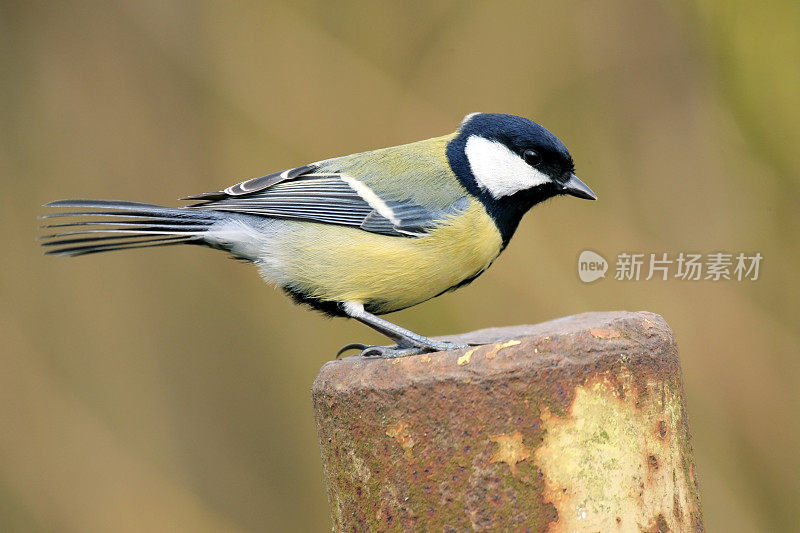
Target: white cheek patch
<point x="498" y="170"/>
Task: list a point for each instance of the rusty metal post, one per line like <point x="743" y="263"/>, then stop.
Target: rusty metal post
<point x="572" y="425"/>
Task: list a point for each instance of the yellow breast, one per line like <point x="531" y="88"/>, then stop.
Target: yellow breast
<point x="386" y="273"/>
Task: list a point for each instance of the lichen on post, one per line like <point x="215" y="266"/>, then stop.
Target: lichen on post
<point x="574" y="424"/>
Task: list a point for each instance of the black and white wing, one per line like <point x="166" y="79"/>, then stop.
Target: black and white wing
<point x="309" y="194"/>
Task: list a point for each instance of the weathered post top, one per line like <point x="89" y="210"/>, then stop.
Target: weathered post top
<point x="577" y="424"/>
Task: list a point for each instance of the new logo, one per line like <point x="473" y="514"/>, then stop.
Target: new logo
<point x="591" y="266"/>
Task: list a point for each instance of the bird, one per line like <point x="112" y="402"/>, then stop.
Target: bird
<point x="360" y="235"/>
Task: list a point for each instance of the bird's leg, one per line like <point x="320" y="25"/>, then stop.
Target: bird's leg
<point x="408" y="342"/>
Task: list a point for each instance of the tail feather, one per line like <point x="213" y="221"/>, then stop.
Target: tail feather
<point x="82" y="240"/>
<point x="111" y="204"/>
<point x="142" y="230"/>
<point x="142" y="226"/>
<point x="73" y="251"/>
<point x="132" y="224"/>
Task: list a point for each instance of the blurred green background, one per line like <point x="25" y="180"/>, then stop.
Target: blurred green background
<point x="168" y="389"/>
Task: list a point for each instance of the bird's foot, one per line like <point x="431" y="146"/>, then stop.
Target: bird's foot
<point x="382" y="352"/>
<point x="390" y="352"/>
<point x="393" y="352"/>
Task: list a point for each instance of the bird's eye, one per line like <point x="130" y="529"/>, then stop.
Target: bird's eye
<point x="532" y="157"/>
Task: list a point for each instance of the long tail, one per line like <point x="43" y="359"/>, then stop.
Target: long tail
<point x="113" y="225"/>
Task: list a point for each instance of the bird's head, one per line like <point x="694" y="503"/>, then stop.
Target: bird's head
<point x="512" y="163"/>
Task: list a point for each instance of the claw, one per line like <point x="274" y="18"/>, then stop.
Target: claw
<point x="444" y="346"/>
<point x="390" y="352"/>
<point x="401" y="350"/>
<point x="373" y="351"/>
<point x="351" y="346"/>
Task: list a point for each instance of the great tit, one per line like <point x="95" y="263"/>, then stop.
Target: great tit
<point x="363" y="234"/>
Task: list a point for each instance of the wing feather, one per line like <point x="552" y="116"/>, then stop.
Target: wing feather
<point x="254" y="185"/>
<point x="325" y="197"/>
